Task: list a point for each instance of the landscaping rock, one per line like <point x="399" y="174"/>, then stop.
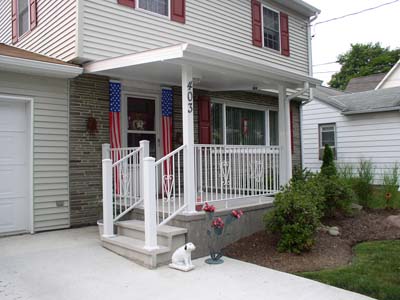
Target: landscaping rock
<point x="323" y="228"/>
<point x="394" y="221"/>
<point x="355" y="206"/>
<point x="334" y="231"/>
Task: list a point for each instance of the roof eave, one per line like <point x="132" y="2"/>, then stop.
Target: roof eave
<point x="367" y="111"/>
<point x="28" y="66"/>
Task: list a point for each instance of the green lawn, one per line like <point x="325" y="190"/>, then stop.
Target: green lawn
<point x="375" y="271"/>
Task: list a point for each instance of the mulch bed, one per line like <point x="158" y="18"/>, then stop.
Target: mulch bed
<point x="328" y="251"/>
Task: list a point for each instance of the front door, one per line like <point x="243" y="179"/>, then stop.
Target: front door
<point x="142" y="123"/>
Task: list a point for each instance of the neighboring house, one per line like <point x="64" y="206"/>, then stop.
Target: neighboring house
<point x="392" y="78"/>
<point x="364" y="125"/>
<point x="243" y="68"/>
<point x="365" y="83"/>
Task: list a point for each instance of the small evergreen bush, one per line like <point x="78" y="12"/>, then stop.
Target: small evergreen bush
<point x="328" y="167"/>
<point x="338" y="194"/>
<point x="297" y="214"/>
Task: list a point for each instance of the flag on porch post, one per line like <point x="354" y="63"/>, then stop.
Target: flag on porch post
<point x="167" y="109"/>
<point x="115" y="128"/>
<point x="115" y="111"/>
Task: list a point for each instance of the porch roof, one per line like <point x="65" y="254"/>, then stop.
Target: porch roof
<point x="213" y="70"/>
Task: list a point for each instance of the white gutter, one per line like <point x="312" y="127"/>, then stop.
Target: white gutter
<point x="299" y="93"/>
<point x="28" y="66"/>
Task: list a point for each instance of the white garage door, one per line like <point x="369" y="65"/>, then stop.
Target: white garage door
<point x="14" y="168"/>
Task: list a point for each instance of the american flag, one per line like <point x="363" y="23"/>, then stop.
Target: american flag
<point x="167" y="100"/>
<point x="115" y="111"/>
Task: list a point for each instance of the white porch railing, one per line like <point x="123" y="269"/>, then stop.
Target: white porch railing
<point x="169" y="186"/>
<point x="225" y="172"/>
<point x="126" y="182"/>
<point x="221" y="173"/>
<point x="122" y="182"/>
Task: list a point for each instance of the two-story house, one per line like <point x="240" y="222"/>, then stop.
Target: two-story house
<point x="215" y="87"/>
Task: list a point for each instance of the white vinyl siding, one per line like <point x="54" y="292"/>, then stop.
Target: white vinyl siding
<point x="50" y="145"/>
<point x="111" y="30"/>
<point x="374" y="136"/>
<point x="55" y="33"/>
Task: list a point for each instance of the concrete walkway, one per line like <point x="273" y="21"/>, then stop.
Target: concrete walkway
<point x="71" y="265"/>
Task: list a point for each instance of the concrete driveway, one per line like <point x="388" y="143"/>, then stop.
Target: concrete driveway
<point x="71" y="264"/>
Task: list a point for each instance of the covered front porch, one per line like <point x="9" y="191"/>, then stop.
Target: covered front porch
<point x="181" y="181"/>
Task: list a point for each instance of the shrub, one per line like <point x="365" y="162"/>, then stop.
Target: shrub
<point x="328" y="167"/>
<point x="338" y="195"/>
<point x="363" y="184"/>
<point x="297" y="214"/>
<point x="301" y="175"/>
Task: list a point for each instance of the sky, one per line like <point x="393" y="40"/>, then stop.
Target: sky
<point x="333" y="38"/>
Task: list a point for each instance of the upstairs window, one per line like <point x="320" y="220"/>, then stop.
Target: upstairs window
<point x="23" y="17"/>
<point x="271" y="22"/>
<point x="156" y="6"/>
<point x="327" y="136"/>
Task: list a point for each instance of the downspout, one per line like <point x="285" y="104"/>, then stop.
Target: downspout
<point x="310" y="72"/>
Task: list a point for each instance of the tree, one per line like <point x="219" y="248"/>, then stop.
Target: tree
<point x="328" y="167"/>
<point x="363" y="60"/>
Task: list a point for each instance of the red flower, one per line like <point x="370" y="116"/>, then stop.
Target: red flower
<point x="209" y="208"/>
<point x="218" y="223"/>
<point x="237" y="213"/>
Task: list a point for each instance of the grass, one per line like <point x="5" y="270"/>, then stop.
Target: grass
<point x="375" y="271"/>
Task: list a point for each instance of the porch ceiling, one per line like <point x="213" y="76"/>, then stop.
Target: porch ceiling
<point x="212" y="70"/>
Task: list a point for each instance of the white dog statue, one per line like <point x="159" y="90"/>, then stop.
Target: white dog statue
<point x="182" y="258"/>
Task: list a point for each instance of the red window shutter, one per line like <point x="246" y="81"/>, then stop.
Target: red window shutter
<point x="256" y="23"/>
<point x="204" y="120"/>
<point x="130" y="3"/>
<point x="33" y="13"/>
<point x="14" y="18"/>
<point x="291" y="130"/>
<point x="178" y="13"/>
<point x="285" y="48"/>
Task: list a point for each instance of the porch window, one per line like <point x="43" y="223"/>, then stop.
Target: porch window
<point x="327" y="136"/>
<point x="271" y="29"/>
<point x="156" y="6"/>
<point x="23" y="17"/>
<point x="241" y="126"/>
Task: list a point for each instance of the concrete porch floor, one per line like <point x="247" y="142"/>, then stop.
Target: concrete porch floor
<point x="71" y="264"/>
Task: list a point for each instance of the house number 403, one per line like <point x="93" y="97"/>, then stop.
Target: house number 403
<point x="190" y="97"/>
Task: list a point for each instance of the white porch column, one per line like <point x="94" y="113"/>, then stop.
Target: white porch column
<point x="188" y="137"/>
<point x="285" y="164"/>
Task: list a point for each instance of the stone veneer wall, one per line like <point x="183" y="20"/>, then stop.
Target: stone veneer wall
<point x="89" y="97"/>
<point x="236" y="96"/>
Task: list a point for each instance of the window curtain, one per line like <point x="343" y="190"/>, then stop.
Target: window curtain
<point x="245" y="126"/>
<point x="157" y="6"/>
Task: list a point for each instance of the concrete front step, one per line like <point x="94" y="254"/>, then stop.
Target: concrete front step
<point x="169" y="236"/>
<point x="129" y="243"/>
